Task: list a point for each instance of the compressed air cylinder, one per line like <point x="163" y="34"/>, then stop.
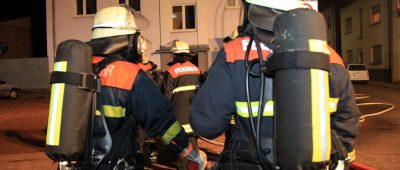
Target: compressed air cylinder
<point x="70" y="105"/>
<point x="301" y="90"/>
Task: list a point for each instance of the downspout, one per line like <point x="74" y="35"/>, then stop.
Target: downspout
<point x="54" y="27"/>
<point x="390" y="37"/>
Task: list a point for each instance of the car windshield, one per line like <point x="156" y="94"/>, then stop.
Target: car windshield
<point x="357" y="67"/>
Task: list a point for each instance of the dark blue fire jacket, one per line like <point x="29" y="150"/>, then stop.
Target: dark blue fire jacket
<point x="223" y="95"/>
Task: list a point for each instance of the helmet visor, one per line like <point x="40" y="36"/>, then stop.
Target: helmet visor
<point x="262" y="17"/>
<point x="143" y="45"/>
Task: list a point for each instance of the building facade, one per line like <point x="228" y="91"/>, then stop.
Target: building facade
<point x="201" y="23"/>
<point x="370" y="35"/>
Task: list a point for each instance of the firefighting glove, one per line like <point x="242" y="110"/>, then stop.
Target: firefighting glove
<point x="192" y="155"/>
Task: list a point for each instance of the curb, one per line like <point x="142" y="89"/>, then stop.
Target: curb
<point x="384" y="84"/>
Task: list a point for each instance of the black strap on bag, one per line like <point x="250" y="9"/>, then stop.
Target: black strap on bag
<point x="84" y="81"/>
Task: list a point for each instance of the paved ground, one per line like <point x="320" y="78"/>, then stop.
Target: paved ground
<point x="23" y="121"/>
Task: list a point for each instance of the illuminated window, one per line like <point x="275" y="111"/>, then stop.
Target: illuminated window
<point x="349" y="25"/>
<point x="135" y="4"/>
<point x="376" y="54"/>
<point x="86" y="7"/>
<point x="376" y="14"/>
<point x="183" y="17"/>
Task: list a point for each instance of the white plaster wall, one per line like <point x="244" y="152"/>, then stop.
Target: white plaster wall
<point x="149" y="9"/>
<point x="214" y="22"/>
<point x="372" y="34"/>
<point x="26" y="73"/>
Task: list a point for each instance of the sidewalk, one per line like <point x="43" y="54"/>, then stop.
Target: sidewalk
<point x="384" y="84"/>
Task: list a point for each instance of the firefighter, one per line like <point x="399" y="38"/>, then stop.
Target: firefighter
<point x="180" y="83"/>
<point x="224" y="93"/>
<point x="129" y="98"/>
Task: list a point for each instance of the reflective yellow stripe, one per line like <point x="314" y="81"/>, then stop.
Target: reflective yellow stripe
<point x="184" y="88"/>
<point x="56" y="105"/>
<point x="114" y="111"/>
<point x="320" y="116"/>
<point x="171" y="133"/>
<point x="98" y="113"/>
<point x="187" y="128"/>
<point x="352" y="155"/>
<point x="333" y="104"/>
<point x="243" y="111"/>
<point x="233" y="120"/>
<point x="318" y="46"/>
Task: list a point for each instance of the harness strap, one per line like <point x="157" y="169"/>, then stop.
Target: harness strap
<point x="86" y="81"/>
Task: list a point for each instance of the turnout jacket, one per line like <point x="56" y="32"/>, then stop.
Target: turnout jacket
<point x="180" y="83"/>
<point x="130" y="99"/>
<point x="224" y="93"/>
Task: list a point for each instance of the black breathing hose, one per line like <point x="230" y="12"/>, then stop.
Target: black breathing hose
<point x="256" y="130"/>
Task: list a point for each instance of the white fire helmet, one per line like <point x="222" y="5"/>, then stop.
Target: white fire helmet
<point x="286" y="5"/>
<point x="262" y="13"/>
<point x="180" y="47"/>
<point x="117" y="20"/>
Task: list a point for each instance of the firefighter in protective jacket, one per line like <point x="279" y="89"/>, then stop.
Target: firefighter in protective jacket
<point x="179" y="85"/>
<point x="224" y="93"/>
<point x="129" y="98"/>
<point x="180" y="82"/>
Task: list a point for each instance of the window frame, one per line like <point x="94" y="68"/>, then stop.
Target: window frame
<point x="126" y="2"/>
<point x="372" y="62"/>
<point x="236" y="6"/>
<point x="350" y="57"/>
<point x="346" y="29"/>
<point x="84" y="9"/>
<point x="371" y="16"/>
<point x="183" y="7"/>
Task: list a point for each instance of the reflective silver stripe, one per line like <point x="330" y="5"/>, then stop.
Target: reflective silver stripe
<point x="243" y="111"/>
<point x="185" y="88"/>
<point x="187" y="128"/>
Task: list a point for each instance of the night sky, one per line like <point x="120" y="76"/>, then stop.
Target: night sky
<point x="10" y="10"/>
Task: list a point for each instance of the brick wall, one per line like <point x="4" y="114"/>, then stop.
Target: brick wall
<point x="17" y="35"/>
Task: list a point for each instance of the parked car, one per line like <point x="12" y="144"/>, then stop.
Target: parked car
<point x="358" y="72"/>
<point x="8" y="90"/>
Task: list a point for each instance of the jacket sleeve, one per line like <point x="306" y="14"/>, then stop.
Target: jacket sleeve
<point x="213" y="104"/>
<point x="167" y="86"/>
<point x="345" y="120"/>
<point x="154" y="114"/>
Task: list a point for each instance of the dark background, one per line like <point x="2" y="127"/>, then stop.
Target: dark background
<point x="12" y="9"/>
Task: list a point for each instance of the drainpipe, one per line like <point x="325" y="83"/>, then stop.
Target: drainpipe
<point x="390" y="37"/>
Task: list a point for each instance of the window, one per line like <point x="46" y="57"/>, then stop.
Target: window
<point x="349" y="56"/>
<point x="86" y="7"/>
<point x="183" y="17"/>
<point x="376" y="14"/>
<point x="135" y="4"/>
<point x="349" y="25"/>
<point x="360" y="55"/>
<point x="233" y="3"/>
<point x="376" y="55"/>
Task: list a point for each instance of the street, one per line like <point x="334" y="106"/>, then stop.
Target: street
<point x="23" y="122"/>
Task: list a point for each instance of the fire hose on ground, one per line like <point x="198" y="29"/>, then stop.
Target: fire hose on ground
<point x="362" y="119"/>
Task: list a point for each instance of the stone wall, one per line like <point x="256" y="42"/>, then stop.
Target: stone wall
<point x="17" y="35"/>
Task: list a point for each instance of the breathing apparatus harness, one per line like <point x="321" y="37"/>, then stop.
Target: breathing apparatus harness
<point x="264" y="72"/>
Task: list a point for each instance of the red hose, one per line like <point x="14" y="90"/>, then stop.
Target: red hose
<point x="358" y="166"/>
